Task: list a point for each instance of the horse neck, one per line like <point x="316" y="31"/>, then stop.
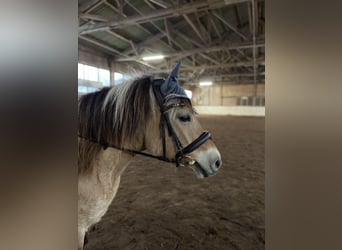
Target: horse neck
<point x="110" y="164"/>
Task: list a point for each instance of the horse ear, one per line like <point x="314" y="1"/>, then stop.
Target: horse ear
<point x="171" y="84"/>
<point x="175" y="71"/>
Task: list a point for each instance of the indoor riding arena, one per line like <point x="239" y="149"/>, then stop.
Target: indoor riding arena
<point x="222" y="49"/>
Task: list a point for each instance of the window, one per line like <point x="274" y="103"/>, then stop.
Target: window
<point x="97" y="78"/>
<point x="80" y="71"/>
<point x="86" y="89"/>
<point x="260" y="101"/>
<point x="243" y="101"/>
<point x="251" y="101"/>
<point x="118" y="78"/>
<point x="91" y="73"/>
<point x="104" y="77"/>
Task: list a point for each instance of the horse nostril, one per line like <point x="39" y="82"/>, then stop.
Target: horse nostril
<point x="218" y="163"/>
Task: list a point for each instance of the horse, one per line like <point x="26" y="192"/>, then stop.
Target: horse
<point x="152" y="117"/>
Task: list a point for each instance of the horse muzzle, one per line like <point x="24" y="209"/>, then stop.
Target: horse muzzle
<point x="204" y="163"/>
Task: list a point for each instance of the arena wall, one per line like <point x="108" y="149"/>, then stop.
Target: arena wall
<point x="228" y="95"/>
<point x="231" y="110"/>
<point x="229" y="99"/>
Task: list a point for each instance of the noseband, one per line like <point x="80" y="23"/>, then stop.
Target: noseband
<point x="164" y="121"/>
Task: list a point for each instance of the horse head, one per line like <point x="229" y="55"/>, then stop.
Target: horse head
<point x="180" y="135"/>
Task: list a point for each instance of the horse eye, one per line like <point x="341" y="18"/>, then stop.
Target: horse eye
<point x="185" y="118"/>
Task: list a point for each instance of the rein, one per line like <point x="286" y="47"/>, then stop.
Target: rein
<point x="164" y="121"/>
<point x="106" y="145"/>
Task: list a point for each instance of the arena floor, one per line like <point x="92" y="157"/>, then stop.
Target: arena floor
<point x="161" y="207"/>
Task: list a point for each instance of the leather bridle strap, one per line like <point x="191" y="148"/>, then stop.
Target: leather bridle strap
<point x="165" y="120"/>
<point x="106" y="145"/>
<point x="181" y="152"/>
<point x="193" y="145"/>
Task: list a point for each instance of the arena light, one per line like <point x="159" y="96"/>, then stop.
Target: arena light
<point x="206" y="83"/>
<point x="151" y="58"/>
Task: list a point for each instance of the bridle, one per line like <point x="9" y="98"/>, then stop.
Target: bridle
<point x="165" y="121"/>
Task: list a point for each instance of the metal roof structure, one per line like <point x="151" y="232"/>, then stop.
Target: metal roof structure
<point x="221" y="40"/>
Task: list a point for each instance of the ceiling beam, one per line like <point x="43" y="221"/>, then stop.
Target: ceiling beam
<point x="123" y="15"/>
<point x="224" y="77"/>
<point x="229" y="25"/>
<point x="120" y="5"/>
<point x="226" y="65"/>
<point x="193" y="26"/>
<point x="165" y="33"/>
<point x="237" y="16"/>
<point x="250" y="22"/>
<point x="244" y="55"/>
<point x="148" y="40"/>
<point x="134" y="47"/>
<point x="89" y="4"/>
<point x="186" y="53"/>
<point x="186" y="38"/>
<point x="205" y="31"/>
<point x="158" y="28"/>
<point x="235" y="75"/>
<point x="214" y="26"/>
<point x="168" y="33"/>
<point x="190" y="40"/>
<point x="256" y="17"/>
<point x="220" y="66"/>
<point x="130" y="42"/>
<point x="193" y="42"/>
<point x="173" y="28"/>
<point x="161" y="3"/>
<point x="149" y="4"/>
<point x="93" y="17"/>
<point x="158" y="14"/>
<point x="102" y="45"/>
<point x="114" y="51"/>
<point x="209" y="58"/>
<point x="254" y="48"/>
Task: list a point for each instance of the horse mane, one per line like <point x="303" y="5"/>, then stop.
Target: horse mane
<point x="116" y="115"/>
